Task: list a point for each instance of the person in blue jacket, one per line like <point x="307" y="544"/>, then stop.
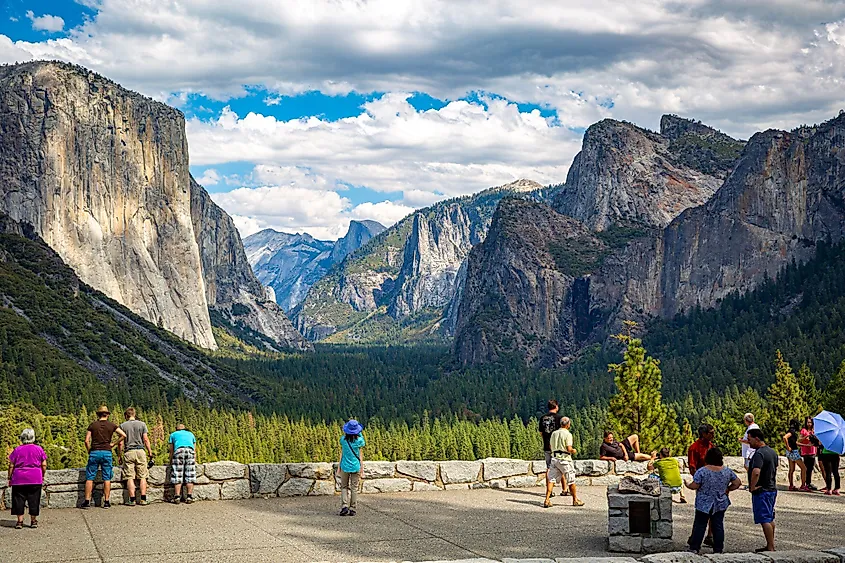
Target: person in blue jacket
<point x="351" y="466"/>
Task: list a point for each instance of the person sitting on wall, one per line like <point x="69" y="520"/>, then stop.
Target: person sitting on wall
<point x="626" y="450"/>
<point x="668" y="471"/>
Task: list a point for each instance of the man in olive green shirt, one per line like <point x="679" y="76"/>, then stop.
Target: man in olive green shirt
<point x="561" y="469"/>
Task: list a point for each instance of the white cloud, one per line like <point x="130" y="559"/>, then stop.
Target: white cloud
<point x="459" y="149"/>
<point x="209" y="178"/>
<point x="743" y="66"/>
<point x="48" y="23"/>
<point x="322" y="213"/>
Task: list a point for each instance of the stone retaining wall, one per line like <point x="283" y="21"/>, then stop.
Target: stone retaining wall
<point x="228" y="480"/>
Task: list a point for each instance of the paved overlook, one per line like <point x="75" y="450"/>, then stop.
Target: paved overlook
<point x="415" y="526"/>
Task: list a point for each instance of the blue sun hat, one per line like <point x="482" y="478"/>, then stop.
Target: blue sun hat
<point x="352" y="427"/>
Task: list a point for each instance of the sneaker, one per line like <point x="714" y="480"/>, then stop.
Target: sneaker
<point x="828" y="493"/>
<point x="793" y="488"/>
<point x="141" y="502"/>
<point x="129" y="502"/>
<point x="106" y="504"/>
<point x="708" y="541"/>
<point x="189" y="500"/>
<point x="344" y="511"/>
<point x="351" y="512"/>
<point x="85" y="504"/>
<point x="176" y="500"/>
<point x="804" y="489"/>
<point x="835" y="493"/>
<point x="812" y="487"/>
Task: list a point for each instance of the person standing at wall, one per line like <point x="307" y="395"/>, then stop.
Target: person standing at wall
<point x="562" y="469"/>
<point x="133" y="456"/>
<point x="183" y="463"/>
<point x="27" y="465"/>
<point x="747" y="450"/>
<point x="712" y="483"/>
<point x="549" y="422"/>
<point x="351" y="466"/>
<point x="764" y="493"/>
<point x="808" y="452"/>
<point x="98" y="441"/>
<point x="793" y="454"/>
<point x="830" y="462"/>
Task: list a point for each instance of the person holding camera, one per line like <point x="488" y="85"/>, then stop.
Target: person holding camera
<point x="133" y="456"/>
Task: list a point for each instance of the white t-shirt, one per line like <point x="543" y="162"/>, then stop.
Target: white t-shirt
<point x="748" y="451"/>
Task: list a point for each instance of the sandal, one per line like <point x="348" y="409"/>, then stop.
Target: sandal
<point x="547" y="505"/>
<point x="33" y="524"/>
<point x="19" y="525"/>
<point x="578" y="502"/>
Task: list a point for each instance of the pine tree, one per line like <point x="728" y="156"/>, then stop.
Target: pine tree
<point x="807" y="384"/>
<point x="638" y="407"/>
<point x="834" y="399"/>
<point x="785" y="400"/>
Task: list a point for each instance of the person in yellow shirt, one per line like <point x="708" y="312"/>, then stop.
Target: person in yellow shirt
<point x="669" y="471"/>
<point x="561" y="469"/>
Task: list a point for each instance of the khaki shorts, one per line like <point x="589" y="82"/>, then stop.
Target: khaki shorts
<point x="135" y="465"/>
<point x="561" y="468"/>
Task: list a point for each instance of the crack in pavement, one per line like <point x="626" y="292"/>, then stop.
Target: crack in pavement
<point x="91" y="535"/>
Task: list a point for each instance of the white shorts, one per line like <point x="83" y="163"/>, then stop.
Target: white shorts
<point x="561" y="469"/>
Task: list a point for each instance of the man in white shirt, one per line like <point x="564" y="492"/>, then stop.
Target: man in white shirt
<point x="747" y="450"/>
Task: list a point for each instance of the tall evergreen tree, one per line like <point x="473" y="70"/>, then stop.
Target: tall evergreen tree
<point x="785" y="400"/>
<point x="637" y="407"/>
<point x="834" y="399"/>
<point x="807" y="383"/>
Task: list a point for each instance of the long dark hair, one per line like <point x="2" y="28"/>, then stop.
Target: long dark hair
<point x="794" y="425"/>
<point x="351" y="437"/>
<point x="808" y="421"/>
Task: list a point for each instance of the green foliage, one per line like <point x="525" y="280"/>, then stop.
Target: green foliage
<point x="712" y="154"/>
<point x="637" y="407"/>
<point x="834" y="397"/>
<point x="785" y="401"/>
<point x="809" y="390"/>
<point x="575" y="256"/>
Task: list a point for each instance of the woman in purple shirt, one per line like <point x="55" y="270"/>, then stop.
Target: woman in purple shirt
<point x="27" y="464"/>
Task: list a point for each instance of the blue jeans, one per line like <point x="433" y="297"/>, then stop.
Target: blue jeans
<point x="699" y="528"/>
<point x="99" y="459"/>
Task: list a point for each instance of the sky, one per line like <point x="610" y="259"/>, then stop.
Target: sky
<point x="302" y="116"/>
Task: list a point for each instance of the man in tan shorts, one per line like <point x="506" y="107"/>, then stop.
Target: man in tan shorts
<point x="133" y="456"/>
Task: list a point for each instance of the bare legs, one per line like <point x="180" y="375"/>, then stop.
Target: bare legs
<point x="634" y="440"/>
<point x="769" y="532"/>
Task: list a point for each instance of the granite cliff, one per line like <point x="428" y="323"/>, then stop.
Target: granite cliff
<point x="236" y="299"/>
<point x="101" y="173"/>
<point x="628" y="175"/>
<point x="399" y="285"/>
<point x="782" y="195"/>
<point x="290" y="264"/>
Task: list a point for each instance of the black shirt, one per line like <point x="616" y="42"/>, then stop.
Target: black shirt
<point x="549" y="422"/>
<point x="766" y="460"/>
<point x="615" y="450"/>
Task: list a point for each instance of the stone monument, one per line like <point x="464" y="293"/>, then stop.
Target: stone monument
<point x="639" y="521"/>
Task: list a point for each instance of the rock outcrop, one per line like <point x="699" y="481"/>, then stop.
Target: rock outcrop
<point x="102" y="175"/>
<point x="628" y="175"/>
<point x="291" y="264"/>
<point x="783" y="195"/>
<point x="231" y="288"/>
<point x="406" y="276"/>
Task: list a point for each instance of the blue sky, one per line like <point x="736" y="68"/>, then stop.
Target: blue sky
<point x="302" y="116"/>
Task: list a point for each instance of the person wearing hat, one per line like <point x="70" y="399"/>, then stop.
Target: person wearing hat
<point x="351" y="466"/>
<point x="98" y="442"/>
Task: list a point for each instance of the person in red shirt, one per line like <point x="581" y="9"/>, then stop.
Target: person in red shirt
<point x="695" y="459"/>
<point x="698" y="449"/>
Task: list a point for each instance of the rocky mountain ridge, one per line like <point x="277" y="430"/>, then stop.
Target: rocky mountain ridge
<point x="398" y="286"/>
<point x="782" y="195"/>
<point x="101" y="173"/>
<point x="290" y="264"/>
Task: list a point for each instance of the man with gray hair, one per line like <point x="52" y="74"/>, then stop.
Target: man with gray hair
<point x="747" y="450"/>
<point x="561" y="469"/>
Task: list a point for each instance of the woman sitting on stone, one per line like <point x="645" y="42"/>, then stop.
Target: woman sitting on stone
<point x="351" y="466"/>
<point x="712" y="484"/>
<point x="27" y="465"/>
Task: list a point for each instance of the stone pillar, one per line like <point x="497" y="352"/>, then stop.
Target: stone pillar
<point x="627" y="533"/>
